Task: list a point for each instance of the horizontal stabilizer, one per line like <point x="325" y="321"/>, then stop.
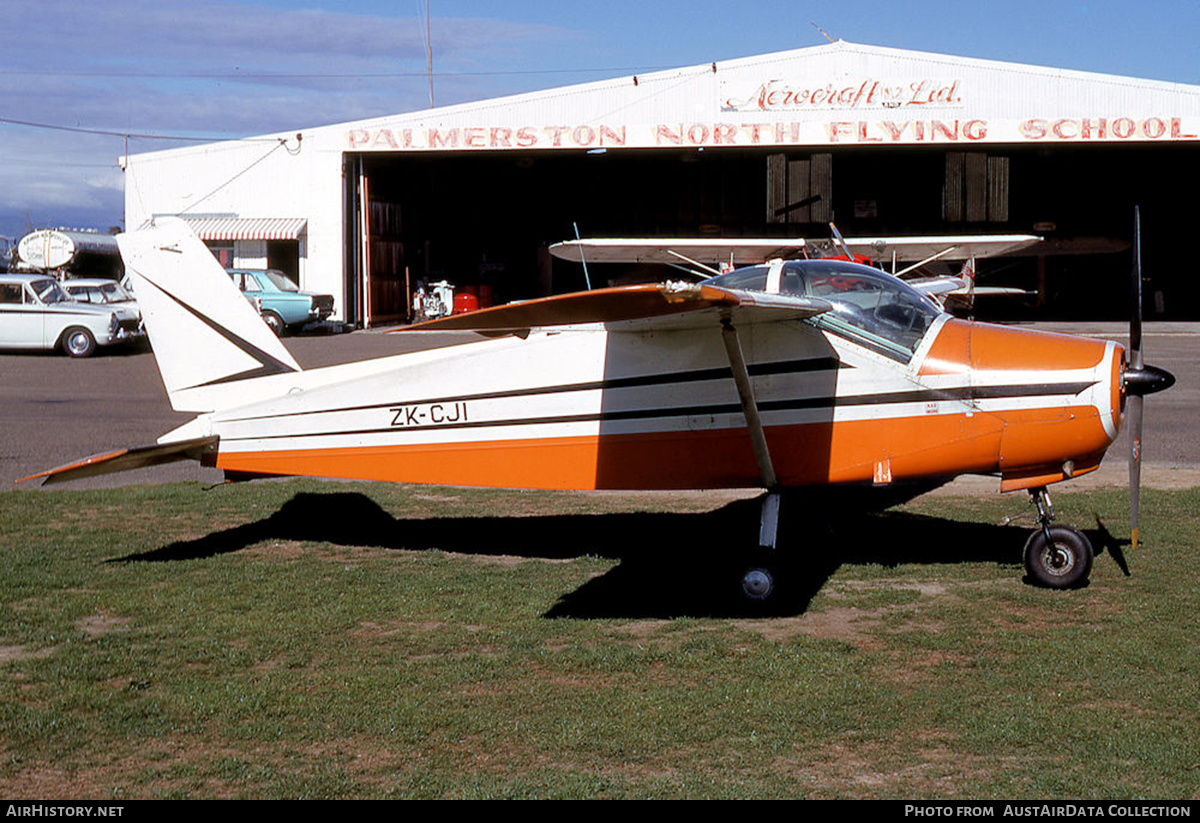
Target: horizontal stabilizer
<point x="934" y="286"/>
<point x="651" y="302"/>
<point x="121" y="460"/>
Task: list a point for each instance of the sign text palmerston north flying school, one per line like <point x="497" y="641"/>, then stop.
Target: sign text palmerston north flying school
<point x="865" y="110"/>
<point x="1104" y="129"/>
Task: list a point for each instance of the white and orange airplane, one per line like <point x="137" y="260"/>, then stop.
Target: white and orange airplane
<point x="784" y="375"/>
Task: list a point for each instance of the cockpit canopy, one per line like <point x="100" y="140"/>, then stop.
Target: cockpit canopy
<point x="870" y="307"/>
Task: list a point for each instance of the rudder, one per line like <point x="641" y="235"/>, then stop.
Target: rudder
<point x="206" y="336"/>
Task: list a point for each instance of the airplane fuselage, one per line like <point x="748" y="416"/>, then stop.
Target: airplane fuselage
<point x="586" y="407"/>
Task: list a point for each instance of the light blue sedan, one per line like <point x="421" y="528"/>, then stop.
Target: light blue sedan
<point x="280" y="301"/>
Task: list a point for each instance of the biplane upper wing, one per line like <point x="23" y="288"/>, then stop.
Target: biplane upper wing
<point x="663" y="305"/>
<point x="671" y="250"/>
<point x="949" y="247"/>
<point x="748" y="251"/>
<point x="944" y="247"/>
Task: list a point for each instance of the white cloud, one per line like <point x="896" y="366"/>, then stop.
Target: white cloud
<point x="213" y="68"/>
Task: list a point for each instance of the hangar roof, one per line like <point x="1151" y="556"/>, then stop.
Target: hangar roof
<point x="836" y="94"/>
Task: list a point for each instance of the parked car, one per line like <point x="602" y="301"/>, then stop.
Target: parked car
<point x="280" y="301"/>
<point x="96" y="290"/>
<point x="99" y="290"/>
<point x="35" y="313"/>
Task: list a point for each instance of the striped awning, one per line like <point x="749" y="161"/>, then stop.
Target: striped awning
<point x="247" y="228"/>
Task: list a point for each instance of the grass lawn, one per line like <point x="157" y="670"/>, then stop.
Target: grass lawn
<point x="336" y="640"/>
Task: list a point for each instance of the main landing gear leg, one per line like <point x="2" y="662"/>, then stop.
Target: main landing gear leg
<point x="1058" y="557"/>
<point x="758" y="581"/>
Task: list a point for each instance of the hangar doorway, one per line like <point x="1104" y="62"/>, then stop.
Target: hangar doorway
<point x="485" y="220"/>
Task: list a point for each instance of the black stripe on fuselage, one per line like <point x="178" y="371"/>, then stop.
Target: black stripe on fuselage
<point x="966" y="393"/>
<point x="640" y="381"/>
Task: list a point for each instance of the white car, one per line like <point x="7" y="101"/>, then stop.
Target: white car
<point x="35" y="313"/>
<point x="97" y="290"/>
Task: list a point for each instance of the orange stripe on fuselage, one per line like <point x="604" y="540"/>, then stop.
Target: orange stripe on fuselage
<point x="926" y="446"/>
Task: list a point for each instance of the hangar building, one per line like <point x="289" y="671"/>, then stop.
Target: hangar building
<point x="883" y="141"/>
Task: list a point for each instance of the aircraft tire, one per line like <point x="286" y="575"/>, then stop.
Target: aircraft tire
<point x="1065" y="564"/>
<point x="758" y="584"/>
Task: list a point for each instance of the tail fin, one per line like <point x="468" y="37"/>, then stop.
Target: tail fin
<point x="207" y="338"/>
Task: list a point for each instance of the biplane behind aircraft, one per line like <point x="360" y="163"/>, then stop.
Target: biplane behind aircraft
<point x="788" y="374"/>
<point x="707" y="257"/>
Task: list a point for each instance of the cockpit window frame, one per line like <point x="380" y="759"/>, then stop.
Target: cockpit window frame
<point x="861" y="324"/>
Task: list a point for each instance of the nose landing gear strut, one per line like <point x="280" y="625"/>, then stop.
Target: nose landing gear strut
<point x="1058" y="557"/>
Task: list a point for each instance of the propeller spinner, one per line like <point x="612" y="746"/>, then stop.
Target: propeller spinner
<point x="1139" y="380"/>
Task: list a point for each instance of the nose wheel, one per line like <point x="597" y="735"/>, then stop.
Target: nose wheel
<point x="1057" y="557"/>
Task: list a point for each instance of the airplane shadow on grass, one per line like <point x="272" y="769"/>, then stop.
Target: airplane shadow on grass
<point x="670" y="564"/>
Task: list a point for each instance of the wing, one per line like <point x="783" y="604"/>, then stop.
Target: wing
<point x="663" y="305"/>
<point x="947" y="247"/>
<point x="671" y="250"/>
<point x="750" y="250"/>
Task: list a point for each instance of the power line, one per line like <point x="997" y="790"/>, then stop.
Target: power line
<point x="237" y="75"/>
<point x="131" y="135"/>
<point x="271" y="151"/>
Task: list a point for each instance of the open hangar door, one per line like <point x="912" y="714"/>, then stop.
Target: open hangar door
<point x="483" y="221"/>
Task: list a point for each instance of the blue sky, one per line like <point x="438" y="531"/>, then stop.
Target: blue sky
<point x="232" y="68"/>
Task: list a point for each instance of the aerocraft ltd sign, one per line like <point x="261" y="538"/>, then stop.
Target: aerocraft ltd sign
<point x="855" y="95"/>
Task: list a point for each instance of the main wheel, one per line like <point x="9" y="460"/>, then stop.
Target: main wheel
<point x="273" y="321"/>
<point x="78" y="342"/>
<point x="758" y="584"/>
<point x="1063" y="563"/>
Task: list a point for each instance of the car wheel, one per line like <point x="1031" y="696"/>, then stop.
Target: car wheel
<point x="274" y="322"/>
<point x="78" y="342"/>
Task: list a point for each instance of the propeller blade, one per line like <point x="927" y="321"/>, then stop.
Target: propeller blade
<point x="1139" y="380"/>
<point x="1135" y="295"/>
<point x="1133" y="402"/>
<point x="1133" y="417"/>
